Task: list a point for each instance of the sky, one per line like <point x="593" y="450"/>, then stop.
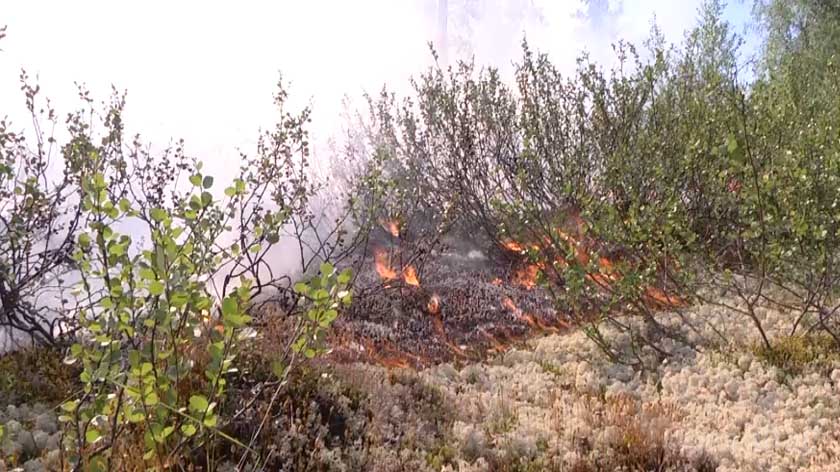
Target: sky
<point x="205" y="70"/>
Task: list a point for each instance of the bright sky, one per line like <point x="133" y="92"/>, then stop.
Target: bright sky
<point x="205" y="70"/>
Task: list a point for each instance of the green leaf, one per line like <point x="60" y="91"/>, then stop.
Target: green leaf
<point x="279" y="368"/>
<point x="156" y="288"/>
<point x="125" y="205"/>
<point x="92" y="435"/>
<point x="230" y="307"/>
<point x="116" y="250"/>
<point x="147" y="274"/>
<point x="195" y="180"/>
<point x="136" y="416"/>
<point x="321" y="295"/>
<point x="327" y="268"/>
<point x="158" y="214"/>
<point x="210" y="421"/>
<point x="84" y="240"/>
<point x="331" y="315"/>
<point x="70" y="406"/>
<point x="188" y="430"/>
<point x="198" y="404"/>
<point x="345" y="276"/>
<point x="151" y="399"/>
<point x="731" y="143"/>
<point x="178" y="299"/>
<point x="208" y="182"/>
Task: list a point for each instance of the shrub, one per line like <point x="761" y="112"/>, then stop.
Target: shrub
<point x="661" y="182"/>
<point x="161" y="323"/>
<point x="39" y="217"/>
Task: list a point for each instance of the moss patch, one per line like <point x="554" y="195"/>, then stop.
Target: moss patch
<point x="801" y="353"/>
<point x="36" y="374"/>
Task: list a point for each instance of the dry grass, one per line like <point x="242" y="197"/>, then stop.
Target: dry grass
<point x="631" y="435"/>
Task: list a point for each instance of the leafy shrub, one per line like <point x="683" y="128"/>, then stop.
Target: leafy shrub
<point x="161" y="319"/>
<point x="663" y="181"/>
<point x="39" y="217"/>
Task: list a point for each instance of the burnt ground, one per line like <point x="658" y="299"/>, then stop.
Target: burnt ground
<point x="467" y="306"/>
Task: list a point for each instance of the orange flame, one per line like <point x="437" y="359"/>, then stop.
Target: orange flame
<point x="434" y="305"/>
<point x="515" y="246"/>
<point x="528" y="318"/>
<point x="410" y="276"/>
<point x="392" y="227"/>
<point x="383" y="265"/>
<point x="526" y="277"/>
<point x="498" y="346"/>
<point x="608" y="268"/>
<point x="663" y="298"/>
<point x="437" y="322"/>
<point x="508" y="303"/>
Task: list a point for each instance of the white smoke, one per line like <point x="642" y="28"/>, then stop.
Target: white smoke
<point x="205" y="71"/>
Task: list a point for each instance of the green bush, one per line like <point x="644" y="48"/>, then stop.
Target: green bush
<point x="163" y="309"/>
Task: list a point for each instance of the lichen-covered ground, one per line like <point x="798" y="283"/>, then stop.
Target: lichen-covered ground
<point x="556" y="403"/>
<point x="560" y="404"/>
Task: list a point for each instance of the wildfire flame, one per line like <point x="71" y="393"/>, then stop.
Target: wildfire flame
<point x="434" y="305"/>
<point x="383" y="265"/>
<point x="662" y="298"/>
<point x="560" y="249"/>
<point x="410" y="276"/>
<point x="392" y="227"/>
<point x="437" y="322"/>
<point x="604" y="277"/>
<point x="526" y="277"/>
<point x="532" y="320"/>
<point x="508" y="303"/>
<point x="518" y="247"/>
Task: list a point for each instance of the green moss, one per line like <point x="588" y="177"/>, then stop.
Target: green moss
<point x="795" y="355"/>
<point x="442" y="456"/>
<point x="36" y="374"/>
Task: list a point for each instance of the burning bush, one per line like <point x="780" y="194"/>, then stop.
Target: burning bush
<point x="639" y="189"/>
